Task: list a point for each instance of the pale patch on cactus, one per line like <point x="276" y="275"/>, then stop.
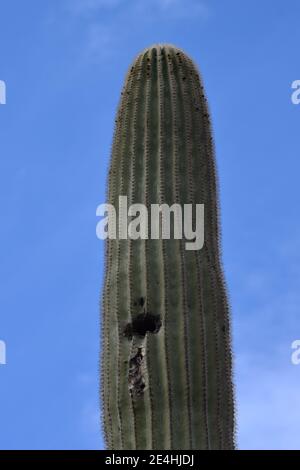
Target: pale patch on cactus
<point x="136" y="377"/>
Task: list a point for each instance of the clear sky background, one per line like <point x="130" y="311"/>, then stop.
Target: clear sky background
<point x="64" y="63"/>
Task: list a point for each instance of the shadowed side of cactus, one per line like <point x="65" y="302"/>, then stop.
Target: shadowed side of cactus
<point x="166" y="351"/>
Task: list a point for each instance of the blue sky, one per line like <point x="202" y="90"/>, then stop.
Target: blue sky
<point x="64" y="62"/>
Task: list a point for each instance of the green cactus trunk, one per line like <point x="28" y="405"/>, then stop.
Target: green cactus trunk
<point x="166" y="351"/>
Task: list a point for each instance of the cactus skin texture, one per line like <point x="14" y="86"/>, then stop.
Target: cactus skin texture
<point x="166" y="352"/>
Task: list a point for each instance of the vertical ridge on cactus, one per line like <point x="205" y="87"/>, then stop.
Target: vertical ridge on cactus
<point x="166" y="364"/>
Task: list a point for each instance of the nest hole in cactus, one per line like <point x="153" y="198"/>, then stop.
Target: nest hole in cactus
<point x="142" y="324"/>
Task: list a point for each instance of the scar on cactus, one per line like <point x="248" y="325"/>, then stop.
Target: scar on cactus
<point x="142" y="324"/>
<point x="136" y="380"/>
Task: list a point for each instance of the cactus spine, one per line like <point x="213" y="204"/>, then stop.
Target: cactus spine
<point x="168" y="386"/>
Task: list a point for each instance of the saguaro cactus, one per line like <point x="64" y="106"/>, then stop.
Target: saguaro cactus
<point x="166" y="354"/>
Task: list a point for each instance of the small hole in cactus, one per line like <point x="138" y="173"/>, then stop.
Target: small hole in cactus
<point x="140" y="301"/>
<point x="142" y="324"/>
